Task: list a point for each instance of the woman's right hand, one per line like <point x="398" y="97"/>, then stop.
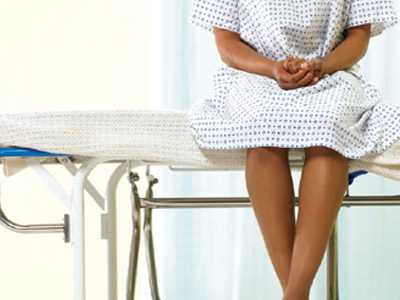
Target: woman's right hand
<point x="287" y="80"/>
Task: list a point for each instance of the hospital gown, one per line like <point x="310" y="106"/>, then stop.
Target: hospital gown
<point x="343" y="111"/>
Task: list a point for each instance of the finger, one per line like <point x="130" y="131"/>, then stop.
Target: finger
<point x="300" y="60"/>
<point x="297" y="65"/>
<point x="315" y="80"/>
<point x="314" y="65"/>
<point x="318" y="73"/>
<point x="306" y="80"/>
<point x="285" y="76"/>
<point x="292" y="67"/>
<point x="306" y="65"/>
<point x="284" y="85"/>
<point x="286" y="65"/>
<point x="298" y="75"/>
<point x="317" y="65"/>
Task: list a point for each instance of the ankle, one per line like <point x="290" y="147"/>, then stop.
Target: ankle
<point x="296" y="295"/>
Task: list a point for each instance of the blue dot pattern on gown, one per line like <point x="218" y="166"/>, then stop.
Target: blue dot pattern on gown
<point x="342" y="111"/>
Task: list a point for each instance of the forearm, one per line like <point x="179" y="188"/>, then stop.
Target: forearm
<point x="239" y="55"/>
<point x="348" y="52"/>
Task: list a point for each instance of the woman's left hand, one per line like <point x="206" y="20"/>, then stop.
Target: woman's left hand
<point x="294" y="64"/>
<point x="317" y="65"/>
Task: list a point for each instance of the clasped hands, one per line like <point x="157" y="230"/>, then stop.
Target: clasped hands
<point x="295" y="72"/>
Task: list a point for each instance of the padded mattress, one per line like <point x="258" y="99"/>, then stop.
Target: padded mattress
<point x="155" y="136"/>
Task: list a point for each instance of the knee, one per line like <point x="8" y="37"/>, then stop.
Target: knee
<point x="324" y="153"/>
<point x="264" y="153"/>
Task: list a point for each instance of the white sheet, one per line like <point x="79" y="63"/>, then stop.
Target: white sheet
<point x="152" y="135"/>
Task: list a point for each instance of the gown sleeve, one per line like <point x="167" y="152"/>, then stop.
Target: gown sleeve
<point x="381" y="14"/>
<point x="219" y="13"/>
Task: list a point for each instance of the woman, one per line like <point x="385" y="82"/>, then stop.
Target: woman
<point x="291" y="80"/>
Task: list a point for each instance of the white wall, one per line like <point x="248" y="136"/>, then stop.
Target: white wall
<point x="56" y="55"/>
<point x="77" y="54"/>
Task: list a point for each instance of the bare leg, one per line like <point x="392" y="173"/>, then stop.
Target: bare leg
<point x="270" y="186"/>
<point x="322" y="187"/>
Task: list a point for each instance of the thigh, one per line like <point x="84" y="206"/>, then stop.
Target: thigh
<point x="323" y="151"/>
<point x="267" y="152"/>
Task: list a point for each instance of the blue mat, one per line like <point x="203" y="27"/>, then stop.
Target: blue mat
<point x="26" y="152"/>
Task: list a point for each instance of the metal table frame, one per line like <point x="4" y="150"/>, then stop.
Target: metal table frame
<point x="143" y="208"/>
<point x="73" y="227"/>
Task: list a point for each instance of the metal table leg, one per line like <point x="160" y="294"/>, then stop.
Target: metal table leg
<point x="78" y="226"/>
<point x="148" y="233"/>
<point x="151" y="264"/>
<point x="136" y="236"/>
<point x="109" y="231"/>
<point x="135" y="240"/>
<point x="333" y="266"/>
